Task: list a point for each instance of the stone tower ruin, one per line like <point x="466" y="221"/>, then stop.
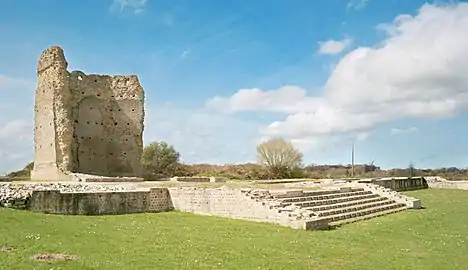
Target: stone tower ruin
<point x="91" y="124"/>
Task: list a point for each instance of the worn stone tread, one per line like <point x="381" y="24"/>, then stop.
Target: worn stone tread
<point x="354" y="208"/>
<point x="325" y="196"/>
<point x="365" y="212"/>
<point x="365" y="217"/>
<point x="344" y="204"/>
<point x="336" y="200"/>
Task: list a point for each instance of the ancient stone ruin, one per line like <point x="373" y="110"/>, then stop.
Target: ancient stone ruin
<point x="91" y="124"/>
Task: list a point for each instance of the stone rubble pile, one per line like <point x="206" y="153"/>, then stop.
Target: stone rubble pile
<point x="12" y="192"/>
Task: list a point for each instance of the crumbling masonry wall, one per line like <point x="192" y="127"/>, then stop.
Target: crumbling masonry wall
<point x="89" y="124"/>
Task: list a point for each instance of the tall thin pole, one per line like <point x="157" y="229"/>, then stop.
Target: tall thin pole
<point x="352" y="160"/>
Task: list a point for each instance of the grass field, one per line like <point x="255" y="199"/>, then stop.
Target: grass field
<point x="431" y="238"/>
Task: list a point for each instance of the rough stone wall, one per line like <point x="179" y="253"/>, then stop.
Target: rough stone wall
<point x="89" y="124"/>
<point x="108" y="122"/>
<point x="230" y="203"/>
<point x="52" y="131"/>
<point x="99" y="203"/>
<point x="402" y="184"/>
<point x="439" y="182"/>
<point x="159" y="200"/>
<point x="55" y="202"/>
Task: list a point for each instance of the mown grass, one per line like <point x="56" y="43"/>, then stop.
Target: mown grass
<point x="432" y="238"/>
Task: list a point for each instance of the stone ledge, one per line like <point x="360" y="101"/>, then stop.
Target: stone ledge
<point x="198" y="179"/>
<point x="116" y="179"/>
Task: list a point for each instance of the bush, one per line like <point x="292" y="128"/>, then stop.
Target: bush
<point x="160" y="160"/>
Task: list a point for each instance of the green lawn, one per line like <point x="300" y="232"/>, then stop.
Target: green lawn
<point x="431" y="238"/>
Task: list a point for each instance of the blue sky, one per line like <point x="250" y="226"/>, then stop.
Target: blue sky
<point x="220" y="76"/>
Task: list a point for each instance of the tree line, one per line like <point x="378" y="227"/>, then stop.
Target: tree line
<point x="277" y="158"/>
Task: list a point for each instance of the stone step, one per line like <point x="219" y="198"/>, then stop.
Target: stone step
<point x="364" y="217"/>
<point x="330" y="191"/>
<point x="299" y="193"/>
<point x="365" y="212"/>
<point x="336" y="200"/>
<point x="325" y="197"/>
<point x="345" y="204"/>
<point x="354" y="208"/>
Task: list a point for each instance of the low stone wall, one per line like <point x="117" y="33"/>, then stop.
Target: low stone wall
<point x="402" y="184"/>
<point x="114" y="180"/>
<point x="439" y="182"/>
<point x="99" y="203"/>
<point x="450" y="184"/>
<point x="232" y="203"/>
<point x="197" y="179"/>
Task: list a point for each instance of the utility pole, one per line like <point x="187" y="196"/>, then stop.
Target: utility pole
<point x="411" y="169"/>
<point x="352" y="160"/>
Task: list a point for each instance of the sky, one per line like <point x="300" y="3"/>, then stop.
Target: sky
<point x="390" y="77"/>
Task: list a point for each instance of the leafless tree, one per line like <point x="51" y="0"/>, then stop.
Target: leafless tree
<point x="279" y="154"/>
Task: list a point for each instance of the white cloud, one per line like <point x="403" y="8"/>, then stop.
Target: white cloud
<point x="16" y="144"/>
<point x="399" y="131"/>
<point x="16" y="109"/>
<point x="357" y="4"/>
<point x="419" y="71"/>
<point x="334" y="46"/>
<point x="201" y="136"/>
<point x="288" y="99"/>
<point x="137" y="6"/>
<point x="362" y="136"/>
<point x="185" y="54"/>
<point x="8" y="83"/>
<point x="16" y="129"/>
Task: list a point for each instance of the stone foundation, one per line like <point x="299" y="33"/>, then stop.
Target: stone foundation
<point x="299" y="209"/>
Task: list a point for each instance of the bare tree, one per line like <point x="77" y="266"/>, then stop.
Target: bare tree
<point x="280" y="156"/>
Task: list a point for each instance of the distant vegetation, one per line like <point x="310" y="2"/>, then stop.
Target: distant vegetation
<point x="23" y="174"/>
<point x="277" y="159"/>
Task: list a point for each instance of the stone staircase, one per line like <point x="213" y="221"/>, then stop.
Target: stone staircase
<point x="339" y="206"/>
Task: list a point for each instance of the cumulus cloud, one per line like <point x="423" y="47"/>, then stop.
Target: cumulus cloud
<point x="201" y="136"/>
<point x="334" y="46"/>
<point x="418" y="71"/>
<point x="288" y="99"/>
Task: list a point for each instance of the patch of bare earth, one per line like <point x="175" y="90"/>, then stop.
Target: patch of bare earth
<point x="53" y="257"/>
<point x="6" y="249"/>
